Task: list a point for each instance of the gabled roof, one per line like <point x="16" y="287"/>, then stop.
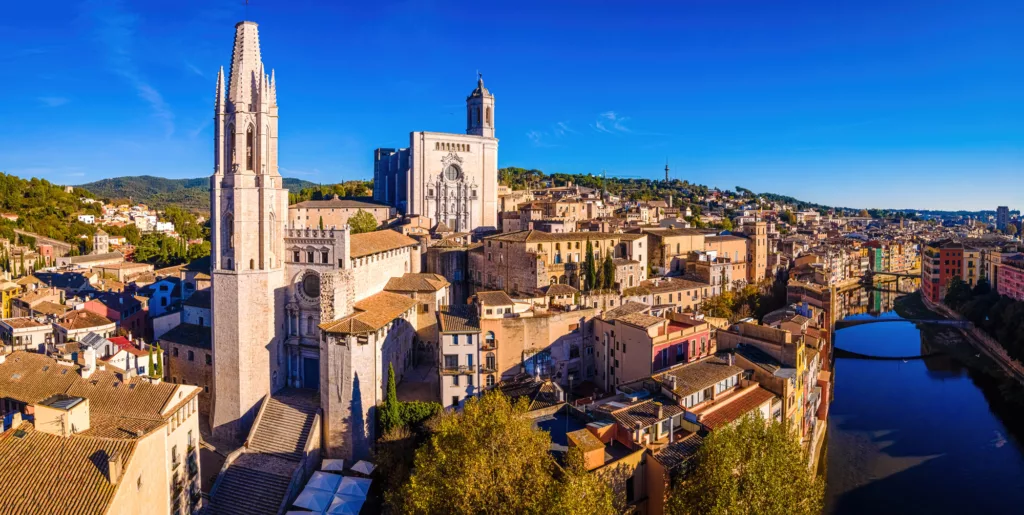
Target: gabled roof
<point x="460" y="318"/>
<point x="368" y="243"/>
<point x="417" y="282"/>
<point x="736" y="407"/>
<point x="559" y="289"/>
<point x="372" y="313"/>
<point x="82" y="319"/>
<point x="698" y="375"/>
<point x="641" y="320"/>
<point x="494" y="298"/>
<point x="625" y="309"/>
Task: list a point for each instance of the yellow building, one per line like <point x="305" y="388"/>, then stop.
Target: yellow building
<point x="8" y="291"/>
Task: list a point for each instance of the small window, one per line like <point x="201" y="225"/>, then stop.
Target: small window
<point x="324" y="258"/>
<point x="175" y="352"/>
<point x="191" y="356"/>
<point x="309" y="256"/>
<point x="295" y="256"/>
<point x="209" y="359"/>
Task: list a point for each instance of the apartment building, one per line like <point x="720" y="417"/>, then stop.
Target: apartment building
<point x="941" y="262"/>
<point x="1011" y="277"/>
<point x="126" y="444"/>
<point x="461" y="350"/>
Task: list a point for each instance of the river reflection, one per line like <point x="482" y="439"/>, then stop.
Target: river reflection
<point x="921" y="436"/>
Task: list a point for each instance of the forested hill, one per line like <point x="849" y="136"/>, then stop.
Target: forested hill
<point x="158" y="192"/>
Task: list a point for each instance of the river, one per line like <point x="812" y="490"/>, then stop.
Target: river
<point x="922" y="436"/>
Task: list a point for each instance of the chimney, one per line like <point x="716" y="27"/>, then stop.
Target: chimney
<point x="130" y="336"/>
<point x="90" y="362"/>
<point x="732" y="359"/>
<point x="661" y="410"/>
<point x="16" y="419"/>
<point x="113" y="471"/>
<point x="672" y="382"/>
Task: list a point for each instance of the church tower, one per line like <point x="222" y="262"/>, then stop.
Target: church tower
<point x="248" y="209"/>
<point x="480" y="111"/>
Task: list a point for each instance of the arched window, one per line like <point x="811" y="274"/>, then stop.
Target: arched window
<point x="309" y="325"/>
<point x="252" y="264"/>
<point x="489" y="339"/>
<point x="490" y="380"/>
<point x="489" y="361"/>
<point x="249" y="137"/>
<point x="230" y="223"/>
<point x="488" y="116"/>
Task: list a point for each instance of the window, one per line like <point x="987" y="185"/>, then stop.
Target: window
<point x="490" y="380"/>
<point x="249" y="137"/>
<point x="295" y="256"/>
<point x="323" y="258"/>
<point x="469" y="380"/>
<point x="191" y="356"/>
<point x="451" y="361"/>
<point x="455" y="400"/>
<point x="455" y="339"/>
<point x="309" y="256"/>
<point x="175" y="352"/>
<point x="455" y="380"/>
<point x="209" y="360"/>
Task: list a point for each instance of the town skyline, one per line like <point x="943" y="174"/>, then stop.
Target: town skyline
<point x="722" y="125"/>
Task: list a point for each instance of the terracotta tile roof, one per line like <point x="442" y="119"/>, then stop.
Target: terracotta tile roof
<point x="126" y="345"/>
<point x="625" y="309"/>
<point x="44" y="473"/>
<point x="530" y="236"/>
<point x="539" y="394"/>
<point x="459" y="319"/>
<point x="82" y="319"/>
<point x="559" y="289"/>
<point x="192" y="335"/>
<point x="698" y="375"/>
<point x="22" y="323"/>
<point x="28" y="280"/>
<point x="417" y="282"/>
<point x="643" y="413"/>
<point x="494" y="298"/>
<point x="680" y="451"/>
<point x="736" y="407"/>
<point x="641" y="320"/>
<point x="726" y="237"/>
<point x="50" y="308"/>
<point x="367" y="243"/>
<point x="372" y="313"/>
<point x="117" y="407"/>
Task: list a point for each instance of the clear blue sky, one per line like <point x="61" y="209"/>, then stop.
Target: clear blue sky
<point x="886" y="103"/>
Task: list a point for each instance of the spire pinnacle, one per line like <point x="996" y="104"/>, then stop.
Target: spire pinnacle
<point x="245" y="64"/>
<point x="218" y="103"/>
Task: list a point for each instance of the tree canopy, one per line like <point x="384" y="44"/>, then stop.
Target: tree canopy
<point x="749" y="468"/>
<point x="490" y="459"/>
<point x="362" y="222"/>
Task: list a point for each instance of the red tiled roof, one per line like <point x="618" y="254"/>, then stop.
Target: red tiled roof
<point x="737" y="407"/>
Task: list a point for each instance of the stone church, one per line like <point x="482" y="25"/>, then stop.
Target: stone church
<point x="450" y="179"/>
<point x="294" y="309"/>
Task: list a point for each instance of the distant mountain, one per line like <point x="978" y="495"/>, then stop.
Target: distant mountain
<point x="158" y="192"/>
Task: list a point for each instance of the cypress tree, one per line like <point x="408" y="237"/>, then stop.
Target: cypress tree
<point x="321" y="223"/>
<point x="152" y="363"/>
<point x="590" y="268"/>
<point x="609" y="272"/>
<point x="390" y="415"/>
<point x="158" y="369"/>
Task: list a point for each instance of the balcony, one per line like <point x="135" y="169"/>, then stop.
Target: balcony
<point x="488" y="368"/>
<point x="461" y="369"/>
<point x="489" y="345"/>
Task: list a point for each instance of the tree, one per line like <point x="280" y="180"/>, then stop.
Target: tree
<point x="589" y="268"/>
<point x="726" y="224"/>
<point x="322" y="223"/>
<point x="609" y="272"/>
<point x="158" y="369"/>
<point x="957" y="293"/>
<point x="982" y="288"/>
<point x="362" y="222"/>
<point x="152" y="363"/>
<point x="789" y="217"/>
<point x="864" y="213"/>
<point x="490" y="459"/>
<point x="749" y="468"/>
<point x="1010" y="230"/>
<point x="390" y="415"/>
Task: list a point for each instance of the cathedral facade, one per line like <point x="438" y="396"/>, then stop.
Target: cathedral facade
<point x="450" y="179"/>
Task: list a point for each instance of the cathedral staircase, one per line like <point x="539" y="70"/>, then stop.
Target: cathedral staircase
<point x="259" y="477"/>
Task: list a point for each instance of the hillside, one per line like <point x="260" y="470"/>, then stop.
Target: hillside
<point x="158" y="192"/>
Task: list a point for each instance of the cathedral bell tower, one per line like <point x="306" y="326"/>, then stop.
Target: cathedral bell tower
<point x="248" y="209"/>
<point x="480" y="111"/>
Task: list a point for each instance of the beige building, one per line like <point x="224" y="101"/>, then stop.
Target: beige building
<point x="25" y="334"/>
<point x="527" y="261"/>
<point x="74" y="325"/>
<point x="125" y="445"/>
<point x="335" y="212"/>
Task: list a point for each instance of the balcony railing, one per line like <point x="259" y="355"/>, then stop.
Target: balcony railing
<point x="489" y="345"/>
<point x="487" y="368"/>
<point x="461" y="369"/>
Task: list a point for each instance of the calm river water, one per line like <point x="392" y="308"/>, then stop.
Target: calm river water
<point x="922" y="436"/>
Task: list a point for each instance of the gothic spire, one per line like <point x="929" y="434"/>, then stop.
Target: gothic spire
<point x="218" y="103"/>
<point x="246" y="63"/>
<point x="273" y="89"/>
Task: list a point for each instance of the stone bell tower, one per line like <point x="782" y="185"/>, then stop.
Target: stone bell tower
<point x="248" y="210"/>
<point x="480" y="111"/>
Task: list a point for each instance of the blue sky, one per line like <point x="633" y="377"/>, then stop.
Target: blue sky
<point x="860" y="103"/>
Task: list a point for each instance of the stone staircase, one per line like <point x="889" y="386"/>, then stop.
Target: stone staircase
<point x="258" y="479"/>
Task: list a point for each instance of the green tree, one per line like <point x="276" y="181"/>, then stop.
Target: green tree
<point x="321" y="223"/>
<point x="609" y="272"/>
<point x="789" y="217"/>
<point x="589" y="268"/>
<point x="726" y="224"/>
<point x="158" y="369"/>
<point x="490" y="459"/>
<point x="362" y="222"/>
<point x="864" y="213"/>
<point x="957" y="293"/>
<point x="982" y="288"/>
<point x="390" y="414"/>
<point x="749" y="468"/>
<point x="1010" y="230"/>
<point x="152" y="363"/>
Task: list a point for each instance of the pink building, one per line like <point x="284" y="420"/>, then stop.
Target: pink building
<point x="1011" y="277"/>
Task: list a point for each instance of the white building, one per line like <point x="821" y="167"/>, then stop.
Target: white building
<point x="447" y="178"/>
<point x="460" y="355"/>
<point x="87" y="219"/>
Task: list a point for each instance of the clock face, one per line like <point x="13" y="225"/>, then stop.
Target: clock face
<point x="311" y="285"/>
<point x="452" y="173"/>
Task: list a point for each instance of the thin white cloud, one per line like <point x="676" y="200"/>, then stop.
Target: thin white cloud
<point x="195" y="133"/>
<point x="115" y="29"/>
<point x="194" y="69"/>
<point x="53" y="101"/>
<point x="562" y="128"/>
<point x="616" y="122"/>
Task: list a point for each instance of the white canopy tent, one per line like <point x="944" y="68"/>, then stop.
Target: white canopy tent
<point x="333" y="465"/>
<point x="354" y="486"/>
<point x="314" y="499"/>
<point x="324" y="481"/>
<point x="346" y="505"/>
<point x="363" y="467"/>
